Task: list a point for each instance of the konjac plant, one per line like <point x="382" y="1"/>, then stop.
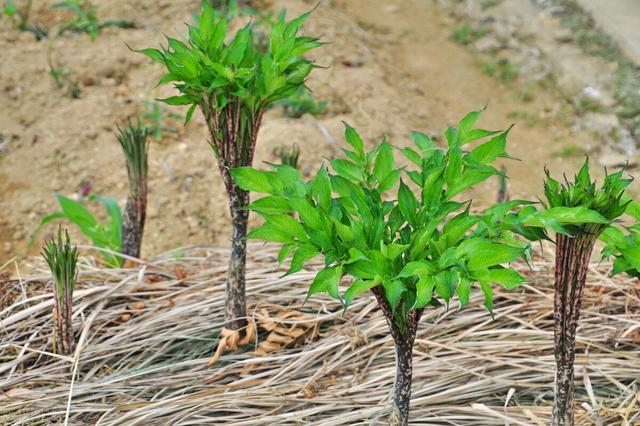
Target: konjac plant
<point x="232" y="83"/>
<point x="62" y="258"/>
<point x="579" y="213"/>
<point x="412" y="252"/>
<point x="134" y="142"/>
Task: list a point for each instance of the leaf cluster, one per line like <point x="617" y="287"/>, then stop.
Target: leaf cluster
<point x="423" y="249"/>
<point x="62" y="259"/>
<point x="581" y="207"/>
<point x="135" y="145"/>
<point x="211" y="72"/>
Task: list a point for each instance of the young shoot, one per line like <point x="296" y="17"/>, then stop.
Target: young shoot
<point x="135" y="146"/>
<point x="86" y="20"/>
<point x="288" y="155"/>
<point x="232" y="80"/>
<point x="62" y="259"/>
<point x="412" y="250"/>
<point x="579" y="213"/>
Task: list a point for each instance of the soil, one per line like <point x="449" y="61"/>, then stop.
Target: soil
<point x="392" y="67"/>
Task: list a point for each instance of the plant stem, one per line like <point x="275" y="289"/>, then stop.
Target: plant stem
<point x="234" y="131"/>
<point x="235" y="305"/>
<point x="133" y="221"/>
<point x="572" y="262"/>
<point x="403" y="341"/>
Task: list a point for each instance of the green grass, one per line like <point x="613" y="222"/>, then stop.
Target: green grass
<point x="502" y="70"/>
<point x="464" y="34"/>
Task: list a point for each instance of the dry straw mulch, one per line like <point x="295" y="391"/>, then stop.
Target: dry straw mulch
<point x="147" y="334"/>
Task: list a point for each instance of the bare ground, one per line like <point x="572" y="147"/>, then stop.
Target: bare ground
<point x="409" y="75"/>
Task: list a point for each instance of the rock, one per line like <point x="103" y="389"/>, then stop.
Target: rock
<point x="488" y="44"/>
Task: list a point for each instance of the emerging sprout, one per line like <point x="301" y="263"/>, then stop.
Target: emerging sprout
<point x="135" y="146"/>
<point x="62" y="259"/>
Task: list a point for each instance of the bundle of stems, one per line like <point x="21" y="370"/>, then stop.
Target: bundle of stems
<point x="134" y="140"/>
<point x="62" y="259"/>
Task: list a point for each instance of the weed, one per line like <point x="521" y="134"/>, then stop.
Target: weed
<point x="569" y="151"/>
<point x="103" y="235"/>
<point x="464" y="34"/>
<point x="86" y="20"/>
<point x="302" y="102"/>
<point x="288" y="155"/>
<point x="502" y="70"/>
<point x="62" y="259"/>
<point x="155" y="116"/>
<point x="20" y="18"/>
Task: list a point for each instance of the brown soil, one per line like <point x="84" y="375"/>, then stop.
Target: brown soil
<point x="412" y="77"/>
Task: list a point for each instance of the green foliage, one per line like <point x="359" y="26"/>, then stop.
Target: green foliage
<point x="158" y="120"/>
<point x="288" y="155"/>
<point x="62" y="259"/>
<point x="422" y="249"/>
<point x="302" y="102"/>
<point x="62" y="77"/>
<point x="578" y="207"/>
<point x="104" y="235"/>
<point x="86" y="20"/>
<point x="502" y="70"/>
<point x="134" y="142"/>
<point x="212" y="73"/>
<point x="464" y="34"/>
<point x="19" y="17"/>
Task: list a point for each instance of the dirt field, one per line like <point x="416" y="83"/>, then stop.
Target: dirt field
<point x="391" y="67"/>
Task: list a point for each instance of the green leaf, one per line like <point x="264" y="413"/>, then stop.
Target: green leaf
<point x="189" y="114"/>
<point x="393" y="291"/>
<point x="463" y="290"/>
<point x="270" y="233"/>
<point x="418" y="268"/>
<point x="482" y="253"/>
<point x="445" y="284"/>
<point x="564" y="215"/>
<point x="357" y="288"/>
<point x="364" y="269"/>
<point x="251" y="179"/>
<point x="508" y="278"/>
<point x="353" y="138"/>
<point x="177" y="100"/>
<point x="384" y="162"/>
<point x="304" y="253"/>
<point x="488" y="296"/>
<point x="321" y="187"/>
<point x="307" y="212"/>
<point x="489" y="151"/>
<point x="327" y="281"/>
<point x="270" y="204"/>
<point x="407" y="203"/>
<point x="424" y="291"/>
<point x="348" y="170"/>
<point x="284" y="252"/>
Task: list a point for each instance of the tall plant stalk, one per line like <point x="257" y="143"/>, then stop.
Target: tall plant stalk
<point x="413" y="252"/>
<point x="62" y="259"/>
<point x="579" y="213"/>
<point x="134" y="141"/>
<point x="232" y="84"/>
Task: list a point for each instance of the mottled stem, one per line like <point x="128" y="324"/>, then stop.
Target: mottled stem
<point x="135" y="212"/>
<point x="572" y="262"/>
<point x="403" y="341"/>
